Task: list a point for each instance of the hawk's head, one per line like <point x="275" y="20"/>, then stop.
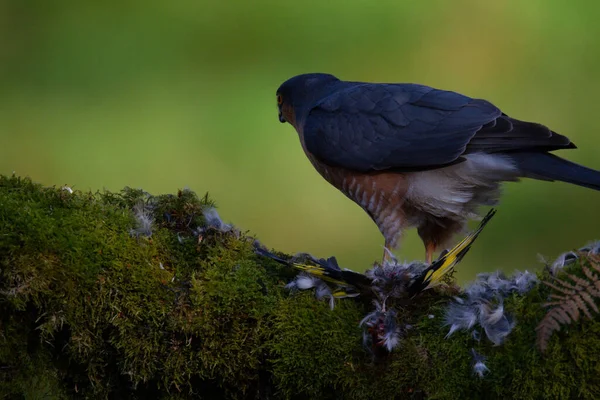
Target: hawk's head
<point x="298" y="94"/>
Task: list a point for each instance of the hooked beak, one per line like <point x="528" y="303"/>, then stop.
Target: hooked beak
<point x="281" y="119"/>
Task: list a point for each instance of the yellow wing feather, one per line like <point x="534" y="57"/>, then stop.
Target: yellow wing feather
<point x="319" y="272"/>
<point x="447" y="262"/>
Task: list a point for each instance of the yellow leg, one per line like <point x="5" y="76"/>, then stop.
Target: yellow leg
<point x="429" y="250"/>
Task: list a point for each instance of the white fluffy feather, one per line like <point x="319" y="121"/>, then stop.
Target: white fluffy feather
<point x="456" y="191"/>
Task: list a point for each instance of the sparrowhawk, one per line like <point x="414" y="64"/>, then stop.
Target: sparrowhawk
<point x="414" y="156"/>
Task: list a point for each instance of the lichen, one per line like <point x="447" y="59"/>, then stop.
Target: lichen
<point x="91" y="309"/>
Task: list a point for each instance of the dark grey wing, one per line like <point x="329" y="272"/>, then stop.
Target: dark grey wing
<point x="367" y="127"/>
<point x="506" y="134"/>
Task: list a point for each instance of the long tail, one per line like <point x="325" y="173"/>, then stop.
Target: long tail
<point x="547" y="166"/>
<point x="434" y="273"/>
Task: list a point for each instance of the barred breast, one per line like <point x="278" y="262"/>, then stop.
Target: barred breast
<point x="381" y="195"/>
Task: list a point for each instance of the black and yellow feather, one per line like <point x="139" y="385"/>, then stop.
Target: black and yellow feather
<point x="350" y="283"/>
<point x="446" y="263"/>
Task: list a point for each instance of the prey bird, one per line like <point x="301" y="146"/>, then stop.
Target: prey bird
<point x="414" y="156"/>
<point x="388" y="279"/>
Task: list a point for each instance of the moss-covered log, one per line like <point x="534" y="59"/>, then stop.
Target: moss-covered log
<point x="127" y="295"/>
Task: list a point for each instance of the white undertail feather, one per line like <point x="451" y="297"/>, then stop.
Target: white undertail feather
<point x="457" y="191"/>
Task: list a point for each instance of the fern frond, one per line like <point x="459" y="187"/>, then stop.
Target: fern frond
<point x="579" y="282"/>
<point x="590" y="275"/>
<point x="546" y="328"/>
<point x="578" y="302"/>
<point x="595" y="259"/>
<point x="593" y="278"/>
<point x="572" y="308"/>
<point x="588" y="298"/>
<point x="573" y="296"/>
<point x="568" y="290"/>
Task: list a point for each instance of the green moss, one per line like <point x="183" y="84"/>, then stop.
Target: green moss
<point x="88" y="310"/>
<point x="314" y="348"/>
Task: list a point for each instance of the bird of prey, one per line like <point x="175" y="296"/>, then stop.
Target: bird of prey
<point x="414" y="156"/>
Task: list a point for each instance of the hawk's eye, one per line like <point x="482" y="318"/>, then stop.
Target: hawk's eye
<point x="279" y="100"/>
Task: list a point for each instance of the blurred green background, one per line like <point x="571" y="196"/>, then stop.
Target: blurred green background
<point x="164" y="95"/>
